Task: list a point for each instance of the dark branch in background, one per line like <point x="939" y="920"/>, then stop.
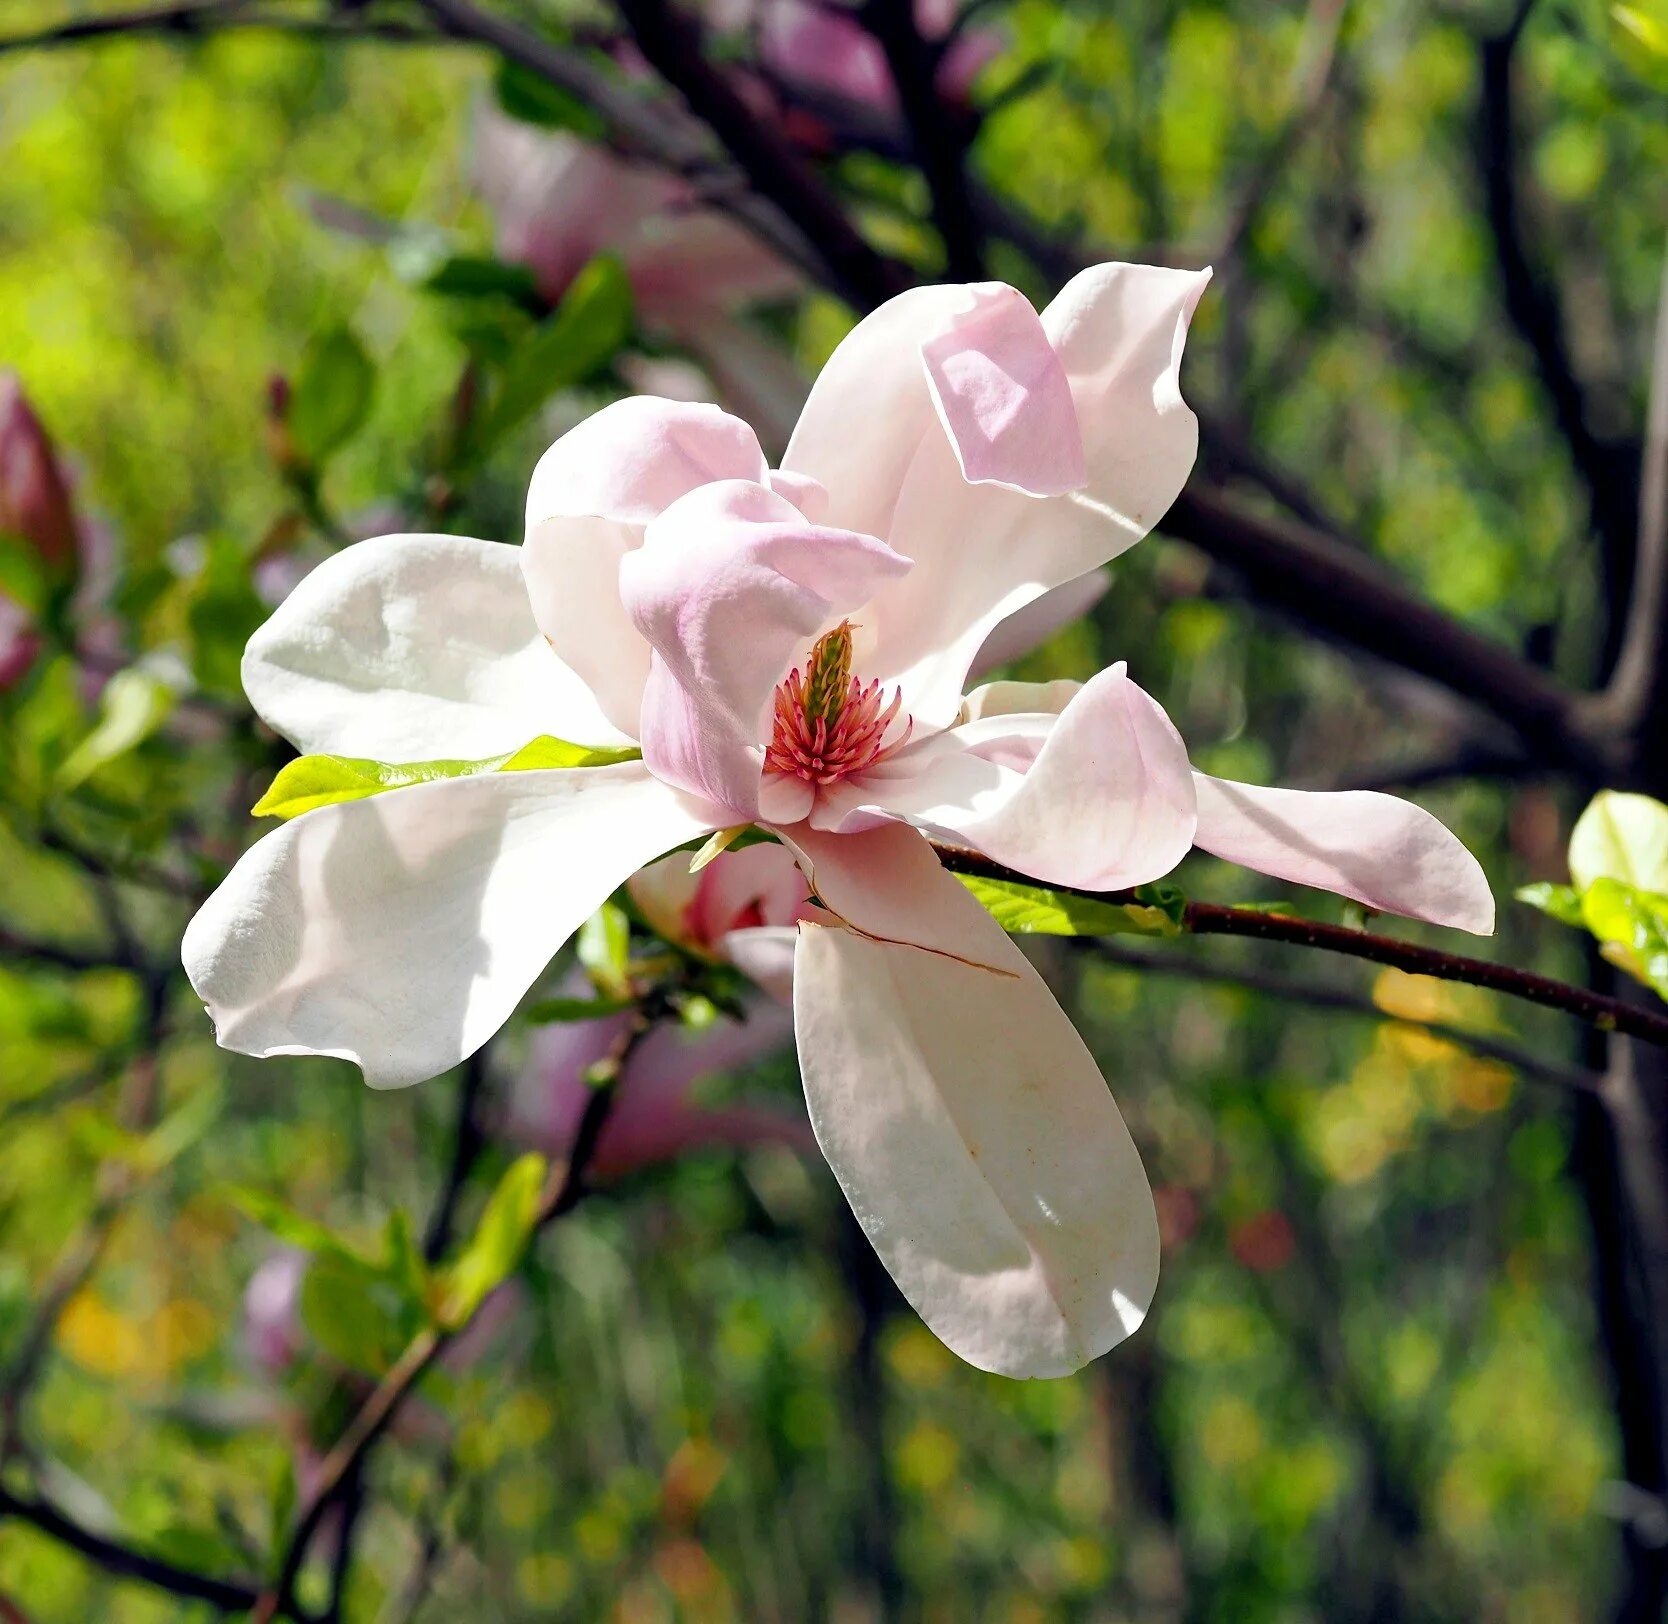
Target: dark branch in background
<point x="1215" y="919"/>
<point x="1607" y="472"/>
<point x="1335" y="1000"/>
<point x="1346" y="595"/>
<point x="198" y="18"/>
<point x="939" y="134"/>
<point x="229" y="1595"/>
<point x="671" y="44"/>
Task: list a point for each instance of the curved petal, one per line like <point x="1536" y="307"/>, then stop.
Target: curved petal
<point x="399" y="932"/>
<point x="966" y="1122"/>
<point x="414" y="648"/>
<point x="1101" y="796"/>
<point x="590" y="496"/>
<point x="729" y="585"/>
<point x="1387" y="854"/>
<point x="983" y="552"/>
<point x="764" y="954"/>
<point x="1039" y="620"/>
<point x="1003" y="398"/>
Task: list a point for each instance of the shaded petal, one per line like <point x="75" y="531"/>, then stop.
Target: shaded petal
<point x="1003" y="398"/>
<point x="399" y="932"/>
<point x="965" y="1120"/>
<point x="1039" y="620"/>
<point x="1100" y="796"/>
<point x="1387" y="854"/>
<point x="729" y="585"/>
<point x="415" y="648"/>
<point x="983" y="552"/>
<point x="590" y="496"/>
<point x="764" y="954"/>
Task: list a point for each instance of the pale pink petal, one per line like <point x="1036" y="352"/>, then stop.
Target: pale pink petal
<point x="1003" y="398"/>
<point x="728" y="588"/>
<point x="1099" y="797"/>
<point x="813" y="47"/>
<point x="966" y="1122"/>
<point x="758" y="885"/>
<point x="1383" y="852"/>
<point x="1039" y="620"/>
<point x="400" y="932"/>
<point x="591" y="495"/>
<point x="982" y="552"/>
<point x="764" y="954"/>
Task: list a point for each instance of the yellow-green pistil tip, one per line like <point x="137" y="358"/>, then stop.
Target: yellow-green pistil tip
<point x="828" y="675"/>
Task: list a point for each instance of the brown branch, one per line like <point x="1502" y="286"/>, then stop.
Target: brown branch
<point x="939" y="133"/>
<point x="195" y="19"/>
<point x="1213" y="919"/>
<point x="1344" y="594"/>
<point x="671" y="44"/>
<point x="229" y="1595"/>
<point x="1336" y="1000"/>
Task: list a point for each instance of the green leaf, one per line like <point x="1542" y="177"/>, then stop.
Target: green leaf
<point x="1632" y="926"/>
<point x="587" y="330"/>
<point x="134" y="704"/>
<point x="495" y="1250"/>
<point x="314" y="781"/>
<point x="356" y="1313"/>
<point x="1563" y="902"/>
<point x="291" y="1227"/>
<point x="332" y="394"/>
<point x="533" y="99"/>
<point x="23" y="574"/>
<point x="717" y="843"/>
<point x="1640" y="26"/>
<point x="604" y="947"/>
<point x="476" y="276"/>
<point x="551" y="1011"/>
<point x="1037" y="910"/>
<point x="1621" y="837"/>
<point x="405" y="1263"/>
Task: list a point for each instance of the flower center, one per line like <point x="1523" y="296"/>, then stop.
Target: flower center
<point x="829" y="724"/>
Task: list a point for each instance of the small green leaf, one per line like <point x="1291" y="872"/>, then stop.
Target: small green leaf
<point x="717" y="843"/>
<point x="1640" y="26"/>
<point x="495" y="1250"/>
<point x="134" y="704"/>
<point x="604" y="947"/>
<point x="355" y="1313"/>
<point x="552" y="1011"/>
<point x="1563" y="902"/>
<point x="23" y="574"/>
<point x="475" y="276"/>
<point x="404" y="1262"/>
<point x="332" y="394"/>
<point x="584" y="334"/>
<point x="1621" y="837"/>
<point x="286" y="1224"/>
<point x="314" y="781"/>
<point x="533" y="99"/>
<point x="1632" y="928"/>
<point x="1037" y="910"/>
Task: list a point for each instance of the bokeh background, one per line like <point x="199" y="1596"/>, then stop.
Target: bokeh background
<point x="255" y="289"/>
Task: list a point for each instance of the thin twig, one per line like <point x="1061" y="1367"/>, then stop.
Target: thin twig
<point x="1214" y="919"/>
<point x="193" y="19"/>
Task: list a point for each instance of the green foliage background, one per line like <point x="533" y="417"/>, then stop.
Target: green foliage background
<point x="1371" y="1385"/>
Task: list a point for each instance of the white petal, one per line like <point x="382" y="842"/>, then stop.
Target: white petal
<point x="1039" y="620"/>
<point x="399" y="932"/>
<point x="415" y="648"/>
<point x="1386" y="853"/>
<point x="965" y="1120"/>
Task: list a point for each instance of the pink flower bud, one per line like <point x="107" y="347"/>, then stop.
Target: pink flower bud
<point x="34" y="494"/>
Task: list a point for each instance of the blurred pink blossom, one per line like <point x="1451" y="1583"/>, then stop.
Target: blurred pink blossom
<point x="740" y="909"/>
<point x="272" y="1333"/>
<point x="809" y="45"/>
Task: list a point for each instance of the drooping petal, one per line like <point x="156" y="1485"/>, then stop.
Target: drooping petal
<point x="591" y="495"/>
<point x="965" y="1120"/>
<point x="399" y="932"/>
<point x="1003" y="397"/>
<point x="729" y="585"/>
<point x="415" y="648"/>
<point x="1386" y="853"/>
<point x="1100" y="796"/>
<point x="983" y="552"/>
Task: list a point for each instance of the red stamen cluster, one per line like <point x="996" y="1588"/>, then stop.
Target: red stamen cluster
<point x="825" y="732"/>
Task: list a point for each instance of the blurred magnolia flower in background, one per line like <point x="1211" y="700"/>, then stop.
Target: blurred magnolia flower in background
<point x="790" y="647"/>
<point x="558" y="201"/>
<point x="55" y="547"/>
<point x="740" y="909"/>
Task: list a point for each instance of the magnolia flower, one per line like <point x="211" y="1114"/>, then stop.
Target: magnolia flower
<point x="788" y="647"/>
<point x="739" y="909"/>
